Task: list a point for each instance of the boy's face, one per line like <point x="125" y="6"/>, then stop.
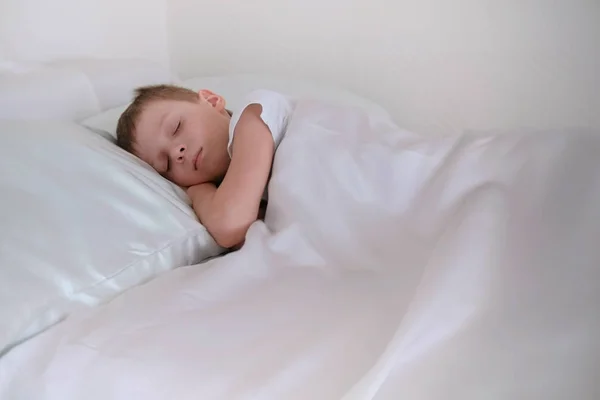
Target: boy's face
<point x="185" y="141"/>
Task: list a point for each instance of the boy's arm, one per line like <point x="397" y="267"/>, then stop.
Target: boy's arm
<point x="228" y="211"/>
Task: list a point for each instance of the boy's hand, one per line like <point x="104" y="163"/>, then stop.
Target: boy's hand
<point x="228" y="211"/>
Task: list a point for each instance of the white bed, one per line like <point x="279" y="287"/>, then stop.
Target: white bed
<point x="390" y="265"/>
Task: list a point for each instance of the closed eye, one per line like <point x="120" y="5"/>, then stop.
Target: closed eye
<point x="177" y="127"/>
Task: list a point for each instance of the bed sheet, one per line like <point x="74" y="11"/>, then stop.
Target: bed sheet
<point x="389" y="266"/>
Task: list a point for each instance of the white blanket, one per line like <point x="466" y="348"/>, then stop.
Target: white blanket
<point x="389" y="266"/>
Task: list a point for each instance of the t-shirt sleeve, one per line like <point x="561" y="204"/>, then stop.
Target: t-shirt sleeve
<point x="276" y="111"/>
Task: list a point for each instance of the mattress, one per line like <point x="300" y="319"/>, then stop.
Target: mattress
<point x="389" y="265"/>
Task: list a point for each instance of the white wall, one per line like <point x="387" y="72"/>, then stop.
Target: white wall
<point x="439" y="66"/>
<point x="44" y="30"/>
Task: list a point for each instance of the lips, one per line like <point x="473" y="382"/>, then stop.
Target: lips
<point x="197" y="159"/>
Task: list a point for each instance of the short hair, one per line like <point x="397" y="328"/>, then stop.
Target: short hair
<point x="143" y="96"/>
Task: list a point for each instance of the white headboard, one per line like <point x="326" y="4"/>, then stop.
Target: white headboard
<point x="73" y="89"/>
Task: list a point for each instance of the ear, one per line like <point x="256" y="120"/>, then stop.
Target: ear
<point x="215" y="100"/>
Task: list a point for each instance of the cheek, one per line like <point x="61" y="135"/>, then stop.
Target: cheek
<point x="183" y="177"/>
<point x="195" y="130"/>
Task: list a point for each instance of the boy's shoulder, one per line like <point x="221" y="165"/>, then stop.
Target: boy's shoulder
<point x="270" y="100"/>
<point x="276" y="110"/>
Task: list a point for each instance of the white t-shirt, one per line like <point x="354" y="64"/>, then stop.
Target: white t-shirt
<point x="276" y="111"/>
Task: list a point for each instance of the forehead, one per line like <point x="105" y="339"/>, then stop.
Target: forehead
<point x="150" y="121"/>
<point x="148" y="127"/>
<point x="153" y="113"/>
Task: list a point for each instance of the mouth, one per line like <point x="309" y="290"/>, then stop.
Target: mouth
<point x="197" y="159"/>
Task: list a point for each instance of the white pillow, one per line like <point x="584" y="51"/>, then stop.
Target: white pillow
<point x="81" y="221"/>
<point x="234" y="87"/>
<point x="72" y="89"/>
<point x="105" y="123"/>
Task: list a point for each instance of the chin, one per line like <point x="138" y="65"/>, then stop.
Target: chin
<point x="188" y="182"/>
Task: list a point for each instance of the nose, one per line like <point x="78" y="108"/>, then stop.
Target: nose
<point x="178" y="153"/>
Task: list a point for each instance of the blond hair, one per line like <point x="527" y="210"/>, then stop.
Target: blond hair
<point x="143" y="96"/>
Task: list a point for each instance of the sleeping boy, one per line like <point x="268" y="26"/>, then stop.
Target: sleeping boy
<point x="222" y="157"/>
